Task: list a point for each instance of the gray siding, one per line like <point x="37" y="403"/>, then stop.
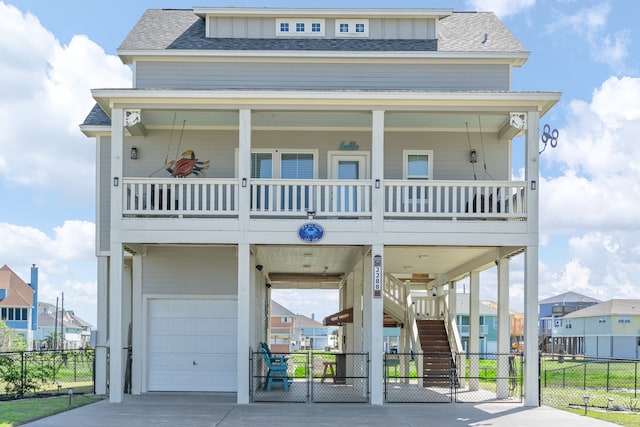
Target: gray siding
<point x="450" y="151"/>
<point x="190" y="271"/>
<point x="204" y="75"/>
<point x="104" y="208"/>
<point x="252" y="27"/>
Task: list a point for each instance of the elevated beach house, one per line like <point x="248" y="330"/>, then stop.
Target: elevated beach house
<point x="369" y="151"/>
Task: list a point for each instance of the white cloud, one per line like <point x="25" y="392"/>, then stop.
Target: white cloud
<point x="46" y="95"/>
<point x="600" y="184"/>
<point x="591" y="25"/>
<point x="502" y="8"/>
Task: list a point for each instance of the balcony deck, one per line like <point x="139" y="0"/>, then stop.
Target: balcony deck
<point x="329" y="199"/>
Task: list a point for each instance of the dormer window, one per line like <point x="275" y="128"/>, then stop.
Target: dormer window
<point x="299" y="27"/>
<point x="352" y="28"/>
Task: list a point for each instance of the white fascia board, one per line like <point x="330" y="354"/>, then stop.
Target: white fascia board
<point x="317" y="99"/>
<point x="513" y="58"/>
<point x="93" y="131"/>
<point x="345" y="13"/>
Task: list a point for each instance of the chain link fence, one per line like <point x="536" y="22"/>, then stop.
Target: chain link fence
<point x="490" y="377"/>
<point x="310" y="377"/>
<point x="46" y="373"/>
<point x="576" y="382"/>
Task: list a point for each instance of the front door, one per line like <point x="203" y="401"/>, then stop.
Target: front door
<point x="350" y="167"/>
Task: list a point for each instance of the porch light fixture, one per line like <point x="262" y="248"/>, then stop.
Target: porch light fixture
<point x="244" y="182"/>
<point x="473" y="156"/>
<point x="259" y="267"/>
<point x="377" y="183"/>
<point x="134" y="153"/>
<point x="116" y="181"/>
<point x="435" y="292"/>
<point x="311" y="215"/>
<point x="533" y="185"/>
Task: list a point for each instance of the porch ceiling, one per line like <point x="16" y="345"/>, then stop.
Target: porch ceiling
<point x="322" y="267"/>
<point x="325" y="120"/>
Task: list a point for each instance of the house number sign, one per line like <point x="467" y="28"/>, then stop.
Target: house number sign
<point x="377" y="276"/>
<point x="310" y="232"/>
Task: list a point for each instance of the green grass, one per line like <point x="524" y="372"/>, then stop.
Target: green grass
<point x="18" y="412"/>
<point x="623" y="419"/>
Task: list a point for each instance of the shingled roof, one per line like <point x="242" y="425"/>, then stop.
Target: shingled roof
<point x="18" y="293"/>
<point x="164" y="29"/>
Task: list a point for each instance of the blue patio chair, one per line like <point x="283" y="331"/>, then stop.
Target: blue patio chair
<point x="277" y="369"/>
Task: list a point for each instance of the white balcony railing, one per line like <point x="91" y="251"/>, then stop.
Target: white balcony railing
<point x="342" y="198"/>
<point x="180" y="196"/>
<point x="456" y="199"/>
<point x="148" y="197"/>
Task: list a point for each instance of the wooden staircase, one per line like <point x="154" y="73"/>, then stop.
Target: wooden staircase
<point x="437" y="360"/>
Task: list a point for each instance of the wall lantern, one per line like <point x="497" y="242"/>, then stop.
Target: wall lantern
<point x="116" y="181"/>
<point x="134" y="153"/>
<point x="244" y="182"/>
<point x="377" y="183"/>
<point x="473" y="156"/>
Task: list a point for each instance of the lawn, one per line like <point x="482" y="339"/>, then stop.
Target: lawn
<point x="18" y="412"/>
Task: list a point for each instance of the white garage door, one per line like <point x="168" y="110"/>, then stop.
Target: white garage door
<point x="192" y="345"/>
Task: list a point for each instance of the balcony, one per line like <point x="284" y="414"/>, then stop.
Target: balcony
<point x="329" y="199"/>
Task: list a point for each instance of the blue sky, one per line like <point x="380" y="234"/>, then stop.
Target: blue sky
<point x="52" y="53"/>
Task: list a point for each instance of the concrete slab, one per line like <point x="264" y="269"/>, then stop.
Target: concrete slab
<point x="220" y="409"/>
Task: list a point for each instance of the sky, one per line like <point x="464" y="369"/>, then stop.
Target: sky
<point x="52" y="53"/>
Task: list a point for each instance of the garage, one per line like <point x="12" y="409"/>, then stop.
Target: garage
<point x="192" y="345"/>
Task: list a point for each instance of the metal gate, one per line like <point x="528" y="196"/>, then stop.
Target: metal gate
<point x="311" y="377"/>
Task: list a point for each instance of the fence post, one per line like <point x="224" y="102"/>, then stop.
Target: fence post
<point x="635" y="379"/>
<point x="539" y="378"/>
<point x="23" y="376"/>
<point x="584" y="377"/>
<point x="608" y="370"/>
<point x="564" y="375"/>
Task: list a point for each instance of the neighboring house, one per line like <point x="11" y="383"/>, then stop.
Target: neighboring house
<point x="70" y="331"/>
<point x="283" y="324"/>
<point x="17" y="300"/>
<point x="607" y="329"/>
<point x="551" y="310"/>
<point x="516" y="326"/>
<point x="269" y="148"/>
<point x="488" y="325"/>
<point x="309" y="334"/>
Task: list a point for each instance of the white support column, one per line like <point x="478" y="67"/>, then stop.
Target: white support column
<point x="504" y="329"/>
<point x="244" y="322"/>
<point x="377" y="171"/>
<point x="531" y="264"/>
<point x="102" y="326"/>
<point x="116" y="261"/>
<point x="244" y="169"/>
<point x="137" y="332"/>
<point x="376" y="319"/>
<point x="116" y="343"/>
<point x="453" y="301"/>
<point x="474" y="330"/>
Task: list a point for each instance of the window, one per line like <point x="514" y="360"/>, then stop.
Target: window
<point x="300" y="27"/>
<point x="296" y="166"/>
<point x="624" y="319"/>
<point x="352" y="28"/>
<point x="417" y="164"/>
<point x="285" y="319"/>
<point x="261" y="165"/>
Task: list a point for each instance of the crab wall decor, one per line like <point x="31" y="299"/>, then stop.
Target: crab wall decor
<point x="187" y="165"/>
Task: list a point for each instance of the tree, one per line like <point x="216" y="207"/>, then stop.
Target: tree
<point x="10" y="340"/>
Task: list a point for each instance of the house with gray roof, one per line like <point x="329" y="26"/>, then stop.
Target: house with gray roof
<point x="551" y="310"/>
<point x="307" y="148"/>
<point x="60" y="329"/>
<point x="17" y="299"/>
<point x="610" y="329"/>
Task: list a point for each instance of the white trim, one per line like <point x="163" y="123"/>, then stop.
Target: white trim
<point x="405" y="163"/>
<point x="276" y="159"/>
<point x="362" y="156"/>
<point x="330" y="12"/>
<point x="293" y="27"/>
